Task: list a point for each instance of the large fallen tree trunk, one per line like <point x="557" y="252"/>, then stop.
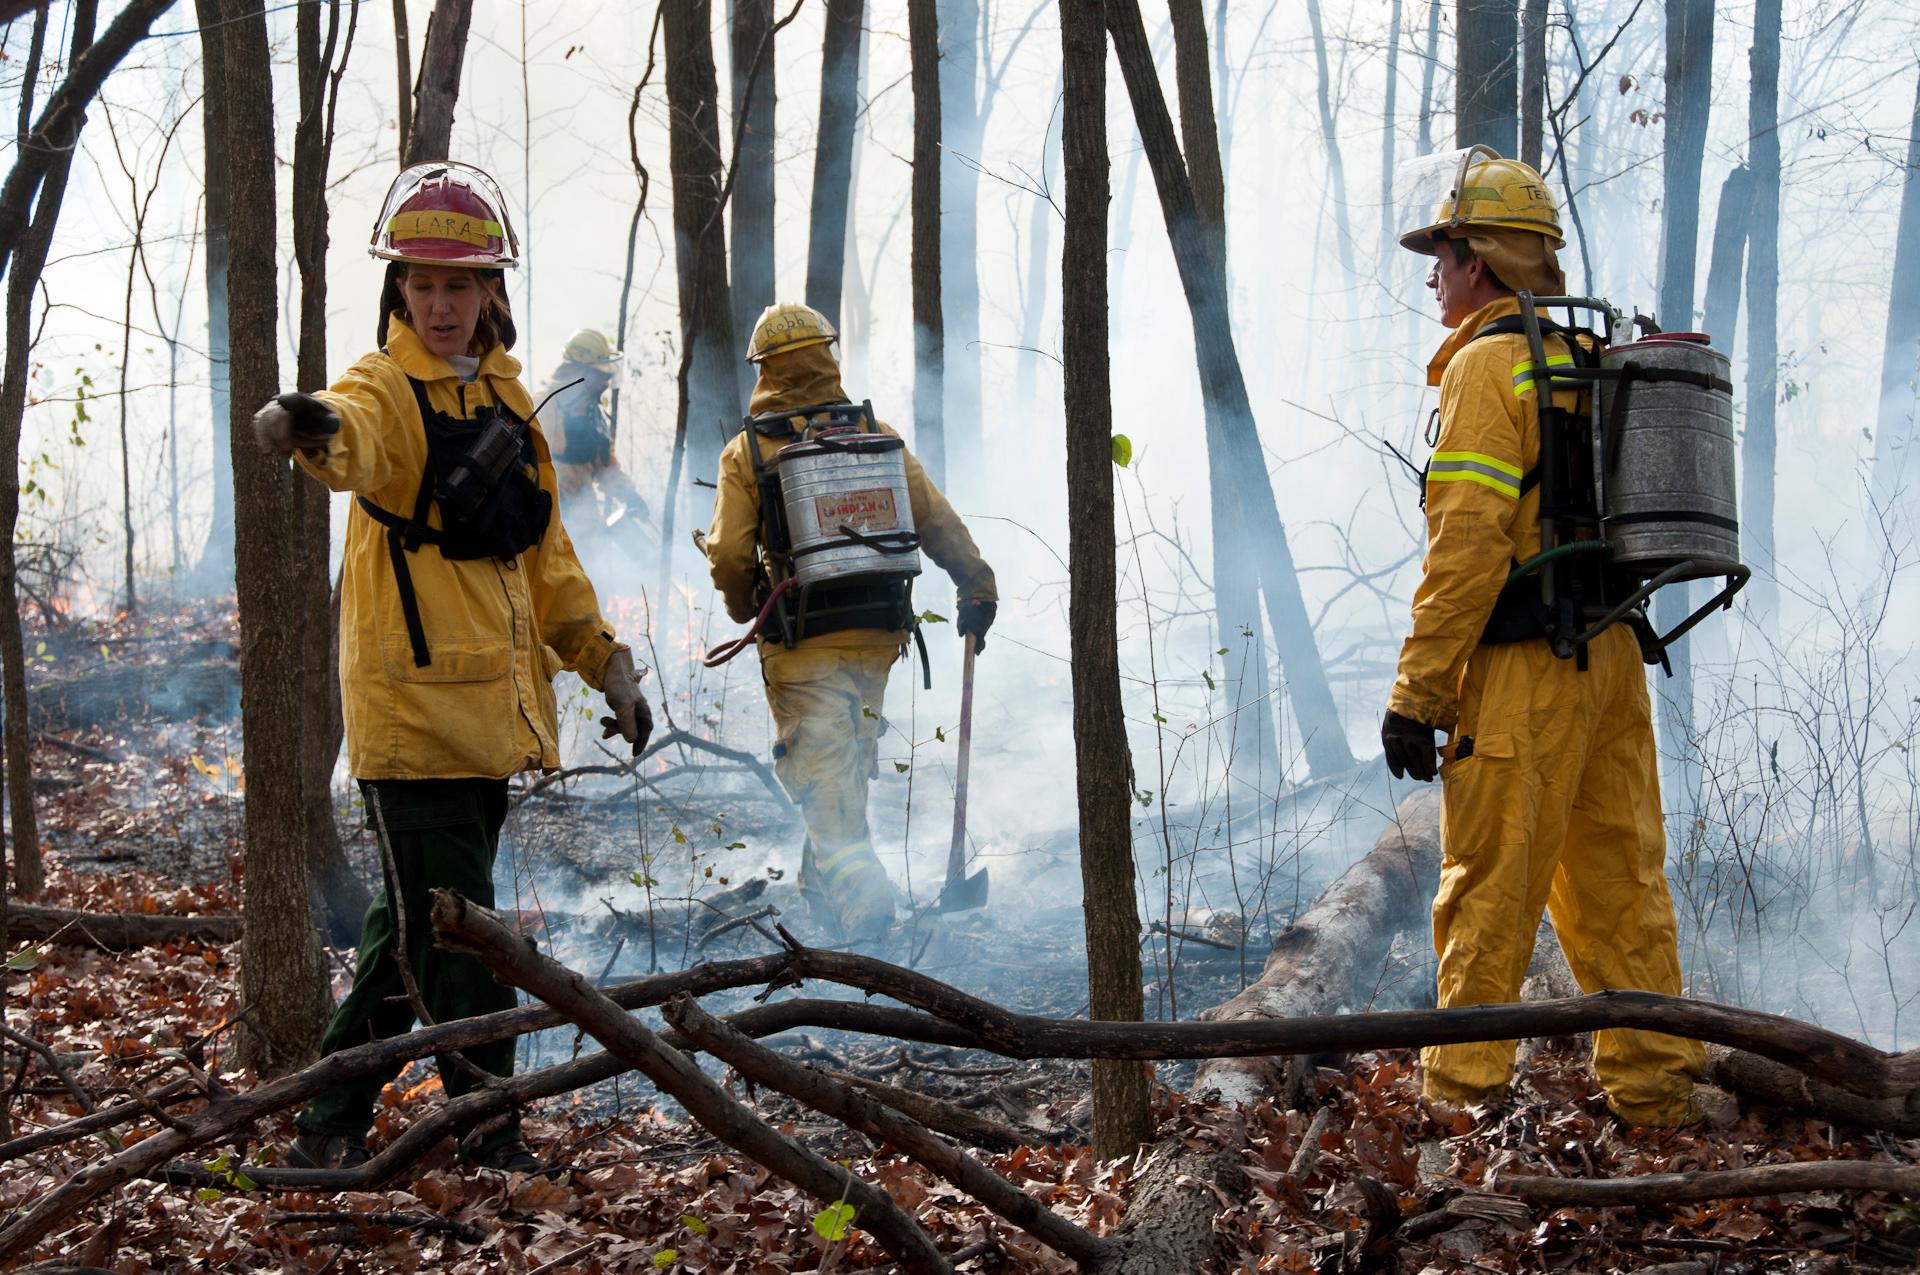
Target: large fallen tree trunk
<point x="114" y="931"/>
<point x="1332" y="955"/>
<point x="1780" y="1085"/>
<point x="1715" y="1184"/>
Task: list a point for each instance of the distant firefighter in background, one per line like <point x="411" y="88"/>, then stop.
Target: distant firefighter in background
<point x="830" y="640"/>
<point x="595" y="493"/>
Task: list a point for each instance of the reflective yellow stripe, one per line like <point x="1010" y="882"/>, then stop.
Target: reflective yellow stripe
<point x="842" y="864"/>
<point x="1475" y="467"/>
<point x="1523" y="371"/>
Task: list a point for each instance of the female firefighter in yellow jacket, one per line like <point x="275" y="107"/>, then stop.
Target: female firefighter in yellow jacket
<point x="460" y="599"/>
<point x="826" y="691"/>
<point x="1556" y="802"/>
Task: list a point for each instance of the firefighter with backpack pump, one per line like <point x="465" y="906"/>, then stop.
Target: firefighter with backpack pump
<point x="1551" y="789"/>
<point x="825" y="571"/>
<point x="460" y="599"/>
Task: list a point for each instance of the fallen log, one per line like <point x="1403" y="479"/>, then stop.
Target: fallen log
<point x="461" y="927"/>
<point x="1176" y="1194"/>
<point x="1779" y="1085"/>
<point x="202" y="680"/>
<point x="114" y="931"/>
<point x="1714" y="1184"/>
<point x="1327" y="957"/>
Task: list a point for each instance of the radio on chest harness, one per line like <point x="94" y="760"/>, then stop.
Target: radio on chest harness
<point x="484" y="475"/>
<point x="838" y="548"/>
<point x="1637" y="483"/>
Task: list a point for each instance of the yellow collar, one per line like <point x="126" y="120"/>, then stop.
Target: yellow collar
<point x="1468" y="329"/>
<point x="498" y="369"/>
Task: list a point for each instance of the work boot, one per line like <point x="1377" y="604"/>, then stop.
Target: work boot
<point x="328" y="1151"/>
<point x="510" y="1156"/>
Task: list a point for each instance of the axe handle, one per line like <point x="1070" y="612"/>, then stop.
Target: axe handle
<point x="957" y="854"/>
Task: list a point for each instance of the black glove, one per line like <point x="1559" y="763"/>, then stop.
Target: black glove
<point x="1410" y="748"/>
<point x="976" y="618"/>
<point x="294" y="420"/>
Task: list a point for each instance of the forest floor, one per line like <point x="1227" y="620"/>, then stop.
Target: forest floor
<point x="144" y="816"/>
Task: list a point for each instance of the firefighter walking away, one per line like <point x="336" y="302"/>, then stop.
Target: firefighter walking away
<point x="818" y="525"/>
<point x="1551" y="792"/>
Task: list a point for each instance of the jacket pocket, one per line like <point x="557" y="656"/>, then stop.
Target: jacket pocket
<point x="453" y="660"/>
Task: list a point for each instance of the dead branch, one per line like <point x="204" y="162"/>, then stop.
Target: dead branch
<point x="942" y="1117"/>
<point x="119" y="1113"/>
<point x="462" y="927"/>
<point x="738" y="922"/>
<point x="77" y="748"/>
<point x="1715" y="1184"/>
<point x="1779" y="1085"/>
<point x="462" y="1231"/>
<point x="858" y="1110"/>
<point x="114" y="931"/>
<point x="53" y="1064"/>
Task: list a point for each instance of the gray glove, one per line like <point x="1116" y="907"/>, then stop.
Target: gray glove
<point x="294" y="421"/>
<point x="632" y="719"/>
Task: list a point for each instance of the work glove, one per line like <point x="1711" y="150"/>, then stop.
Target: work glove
<point x="294" y="420"/>
<point x="632" y="719"/>
<point x="1409" y="747"/>
<point x="976" y="618"/>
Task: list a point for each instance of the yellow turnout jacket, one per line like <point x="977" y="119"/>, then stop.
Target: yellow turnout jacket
<point x="497" y="630"/>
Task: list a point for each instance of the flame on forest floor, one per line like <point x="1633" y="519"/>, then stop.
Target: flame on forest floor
<point x="430" y="1085"/>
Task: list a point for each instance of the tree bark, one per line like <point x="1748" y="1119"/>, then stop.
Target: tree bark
<point x="1757" y="450"/>
<point x="1336" y="170"/>
<point x="1895" y="471"/>
<point x="438" y="88"/>
<point x="709" y="390"/>
<point x="752" y="202"/>
<point x="344" y="899"/>
<point x="1689" y="89"/>
<point x="114" y="931"/>
<point x="30" y="204"/>
<point x="1236" y="581"/>
<point x="929" y="329"/>
<point x="1103" y="765"/>
<point x="1533" y="79"/>
<point x="1725" y="258"/>
<point x="1172" y="1203"/>
<point x="959" y="142"/>
<point x="832" y="204"/>
<point x="1779" y="1085"/>
<point x="1037" y="294"/>
<point x="1486" y="104"/>
<point x="282" y="975"/>
<point x="1328" y="959"/>
<point x="1203" y="278"/>
<point x="403" y="78"/>
<point x="213" y="572"/>
<point x="1663" y="1189"/>
<point x="1389" y="233"/>
<point x="1423" y="139"/>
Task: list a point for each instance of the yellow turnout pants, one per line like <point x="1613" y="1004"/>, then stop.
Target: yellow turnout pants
<point x="1558" y="806"/>
<point x="826" y="698"/>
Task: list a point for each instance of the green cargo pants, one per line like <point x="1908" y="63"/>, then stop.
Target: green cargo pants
<point x="443" y="833"/>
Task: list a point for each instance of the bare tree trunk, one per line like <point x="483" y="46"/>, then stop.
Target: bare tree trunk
<point x="213" y="573"/>
<point x="1203" y="278"/>
<point x="752" y="201"/>
<point x="1236" y="583"/>
<point x="1102" y="762"/>
<point x="1033" y="309"/>
<point x="929" y="329"/>
<point x="959" y="143"/>
<point x="1485" y="85"/>
<point x="438" y="89"/>
<point x="1896" y="441"/>
<point x="1763" y="306"/>
<point x="832" y="204"/>
<point x="1424" y="141"/>
<point x="343" y="897"/>
<point x="282" y="975"/>
<point x="1336" y="170"/>
<point x="1389" y="243"/>
<point x="710" y="402"/>
<point x="1689" y="89"/>
<point x="52" y="147"/>
<point x="1722" y="315"/>
<point x="1533" y="79"/>
<point x="403" y="78"/>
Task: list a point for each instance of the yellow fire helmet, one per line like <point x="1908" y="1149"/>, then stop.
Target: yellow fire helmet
<point x="785" y="326"/>
<point x="1470" y="190"/>
<point x="592" y="348"/>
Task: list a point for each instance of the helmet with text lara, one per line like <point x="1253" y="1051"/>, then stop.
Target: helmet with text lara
<point x="445" y="213"/>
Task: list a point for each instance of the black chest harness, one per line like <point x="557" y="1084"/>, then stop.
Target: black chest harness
<point x="484" y="475"/>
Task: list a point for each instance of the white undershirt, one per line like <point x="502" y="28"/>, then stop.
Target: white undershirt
<point x="465" y="366"/>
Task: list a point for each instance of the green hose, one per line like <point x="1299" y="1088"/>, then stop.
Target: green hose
<point x="1558" y="551"/>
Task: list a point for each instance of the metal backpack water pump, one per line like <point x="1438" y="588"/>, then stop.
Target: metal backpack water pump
<point x="1638" y="490"/>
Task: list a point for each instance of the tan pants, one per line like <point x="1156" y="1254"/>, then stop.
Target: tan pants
<point x="826" y="702"/>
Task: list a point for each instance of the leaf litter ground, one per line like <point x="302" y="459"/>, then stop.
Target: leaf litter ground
<point x="643" y="1190"/>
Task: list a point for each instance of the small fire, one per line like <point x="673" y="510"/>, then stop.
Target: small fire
<point x="430" y="1085"/>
